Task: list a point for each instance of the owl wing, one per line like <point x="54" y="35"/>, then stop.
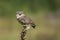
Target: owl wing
<point x="29" y="21"/>
<point x="26" y="20"/>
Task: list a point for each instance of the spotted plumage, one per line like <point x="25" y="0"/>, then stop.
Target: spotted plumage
<point x="24" y="20"/>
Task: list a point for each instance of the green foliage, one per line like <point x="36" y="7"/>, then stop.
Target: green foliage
<point x="9" y="7"/>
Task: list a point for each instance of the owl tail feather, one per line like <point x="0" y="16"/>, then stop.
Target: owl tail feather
<point x="33" y="25"/>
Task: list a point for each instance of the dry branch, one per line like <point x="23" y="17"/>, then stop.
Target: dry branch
<point x="23" y="33"/>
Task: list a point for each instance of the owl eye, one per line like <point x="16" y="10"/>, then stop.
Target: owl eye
<point x="19" y="14"/>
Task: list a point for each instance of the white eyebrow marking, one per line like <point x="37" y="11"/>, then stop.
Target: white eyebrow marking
<point x="18" y="16"/>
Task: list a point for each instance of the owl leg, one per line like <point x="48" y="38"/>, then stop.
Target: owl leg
<point x="26" y="27"/>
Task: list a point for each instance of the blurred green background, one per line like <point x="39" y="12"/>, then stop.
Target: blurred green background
<point x="45" y="14"/>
